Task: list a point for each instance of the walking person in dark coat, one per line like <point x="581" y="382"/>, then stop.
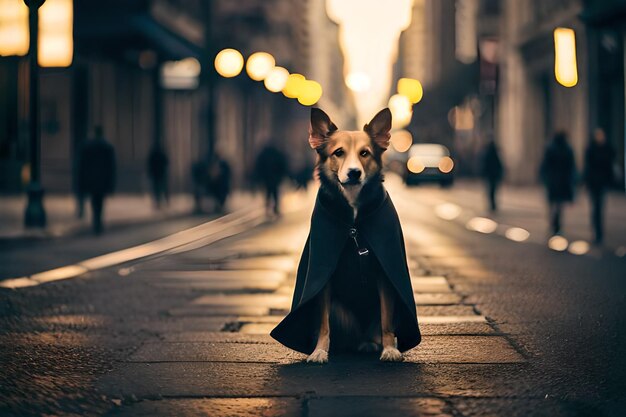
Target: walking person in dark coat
<point x="558" y="172"/>
<point x="218" y="180"/>
<point x="598" y="176"/>
<point x="157" y="170"/>
<point x="97" y="174"/>
<point x="492" y="171"/>
<point x="271" y="168"/>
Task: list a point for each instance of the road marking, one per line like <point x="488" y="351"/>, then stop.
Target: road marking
<point x="188" y="239"/>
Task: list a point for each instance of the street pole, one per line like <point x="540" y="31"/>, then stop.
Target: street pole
<point x="35" y="214"/>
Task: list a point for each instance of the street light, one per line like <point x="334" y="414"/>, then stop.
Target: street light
<point x="35" y="215"/>
<point x="13" y="28"/>
<point x="228" y="63"/>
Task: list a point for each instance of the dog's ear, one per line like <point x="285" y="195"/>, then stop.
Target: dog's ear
<point x="378" y="128"/>
<point x="320" y="128"/>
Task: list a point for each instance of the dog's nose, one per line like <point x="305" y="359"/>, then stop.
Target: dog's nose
<point x="354" y="174"/>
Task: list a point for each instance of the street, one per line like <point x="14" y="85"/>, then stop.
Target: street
<point x="510" y="326"/>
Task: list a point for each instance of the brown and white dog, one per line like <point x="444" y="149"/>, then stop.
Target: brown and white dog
<point x="348" y="163"/>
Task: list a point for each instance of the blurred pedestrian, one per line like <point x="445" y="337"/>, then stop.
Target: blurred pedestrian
<point x="598" y="176"/>
<point x="303" y="176"/>
<point x="270" y="169"/>
<point x="558" y="172"/>
<point x="157" y="170"/>
<point x="97" y="174"/>
<point x="492" y="171"/>
<point x="211" y="176"/>
<point x="218" y="180"/>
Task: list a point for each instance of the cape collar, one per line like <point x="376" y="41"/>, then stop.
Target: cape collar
<point x="372" y="197"/>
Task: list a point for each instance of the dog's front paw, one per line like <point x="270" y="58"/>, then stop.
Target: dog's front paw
<point x="318" y="356"/>
<point x="391" y="354"/>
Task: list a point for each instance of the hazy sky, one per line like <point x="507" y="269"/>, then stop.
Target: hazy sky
<point x="369" y="33"/>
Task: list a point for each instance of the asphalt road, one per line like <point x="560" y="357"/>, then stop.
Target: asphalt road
<point x="511" y="327"/>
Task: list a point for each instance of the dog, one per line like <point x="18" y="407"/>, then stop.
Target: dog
<point x="353" y="282"/>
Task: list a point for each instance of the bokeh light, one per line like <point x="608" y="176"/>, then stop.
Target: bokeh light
<point x="294" y="85"/>
<point x="578" y="247"/>
<point x="517" y="234"/>
<point x="411" y="88"/>
<point x="56" y="40"/>
<point x="310" y="92"/>
<point x="358" y="82"/>
<point x="565" y="68"/>
<point x="259" y="65"/>
<point x="558" y="243"/>
<point x="415" y="165"/>
<point x="401" y="110"/>
<point x="401" y="140"/>
<point x="482" y="225"/>
<point x="447" y="211"/>
<point x="229" y="63"/>
<point x="446" y="164"/>
<point x="276" y="79"/>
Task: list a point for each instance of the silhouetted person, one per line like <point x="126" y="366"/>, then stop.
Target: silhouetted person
<point x="218" y="180"/>
<point x="211" y="176"/>
<point x="97" y="174"/>
<point x="492" y="171"/>
<point x="157" y="170"/>
<point x="302" y="176"/>
<point x="598" y="175"/>
<point x="558" y="172"/>
<point x="270" y="169"/>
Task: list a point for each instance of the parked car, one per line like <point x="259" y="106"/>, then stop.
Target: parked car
<point x="429" y="162"/>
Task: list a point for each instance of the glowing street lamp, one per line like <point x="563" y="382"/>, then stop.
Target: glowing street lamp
<point x="56" y="43"/>
<point x="13" y="28"/>
<point x="229" y="63"/>
<point x="401" y="110"/>
<point x="565" y="69"/>
<point x="259" y="65"/>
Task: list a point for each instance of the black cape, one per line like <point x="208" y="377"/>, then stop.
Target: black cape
<point x="329" y="239"/>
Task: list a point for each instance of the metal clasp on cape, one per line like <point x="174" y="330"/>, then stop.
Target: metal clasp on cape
<point x="362" y="252"/>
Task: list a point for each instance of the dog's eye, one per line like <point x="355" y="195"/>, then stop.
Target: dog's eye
<point x="339" y="152"/>
<point x="364" y="153"/>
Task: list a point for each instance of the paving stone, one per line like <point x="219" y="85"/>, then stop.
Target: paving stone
<point x="454" y="262"/>
<point x="214" y="407"/>
<point x="215" y="352"/>
<point x="238" y="276"/>
<point x="351" y="376"/>
<point x="272" y="263"/>
<point x="375" y="407"/>
<point x="210" y="310"/>
<point x="436" y="298"/>
<point x="184" y="324"/>
<point x="427" y="328"/>
<point x="433" y="349"/>
<point x="219" y="337"/>
<point x="445" y="310"/>
<point x="427" y="284"/>
<point x="220" y="286"/>
<point x="264" y="300"/>
<point x="513" y="407"/>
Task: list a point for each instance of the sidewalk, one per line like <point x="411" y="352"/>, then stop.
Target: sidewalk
<point x="120" y="210"/>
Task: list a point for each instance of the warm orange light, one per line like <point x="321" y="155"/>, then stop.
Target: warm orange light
<point x="411" y="88"/>
<point x="228" y="63"/>
<point x="446" y="164"/>
<point x="415" y="165"/>
<point x="56" y="42"/>
<point x="401" y="110"/>
<point x="358" y="82"/>
<point x="565" y="69"/>
<point x="558" y="243"/>
<point x="294" y="85"/>
<point x="14" y="35"/>
<point x="259" y="65"/>
<point x="310" y="93"/>
<point x="276" y="79"/>
<point x="401" y="140"/>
